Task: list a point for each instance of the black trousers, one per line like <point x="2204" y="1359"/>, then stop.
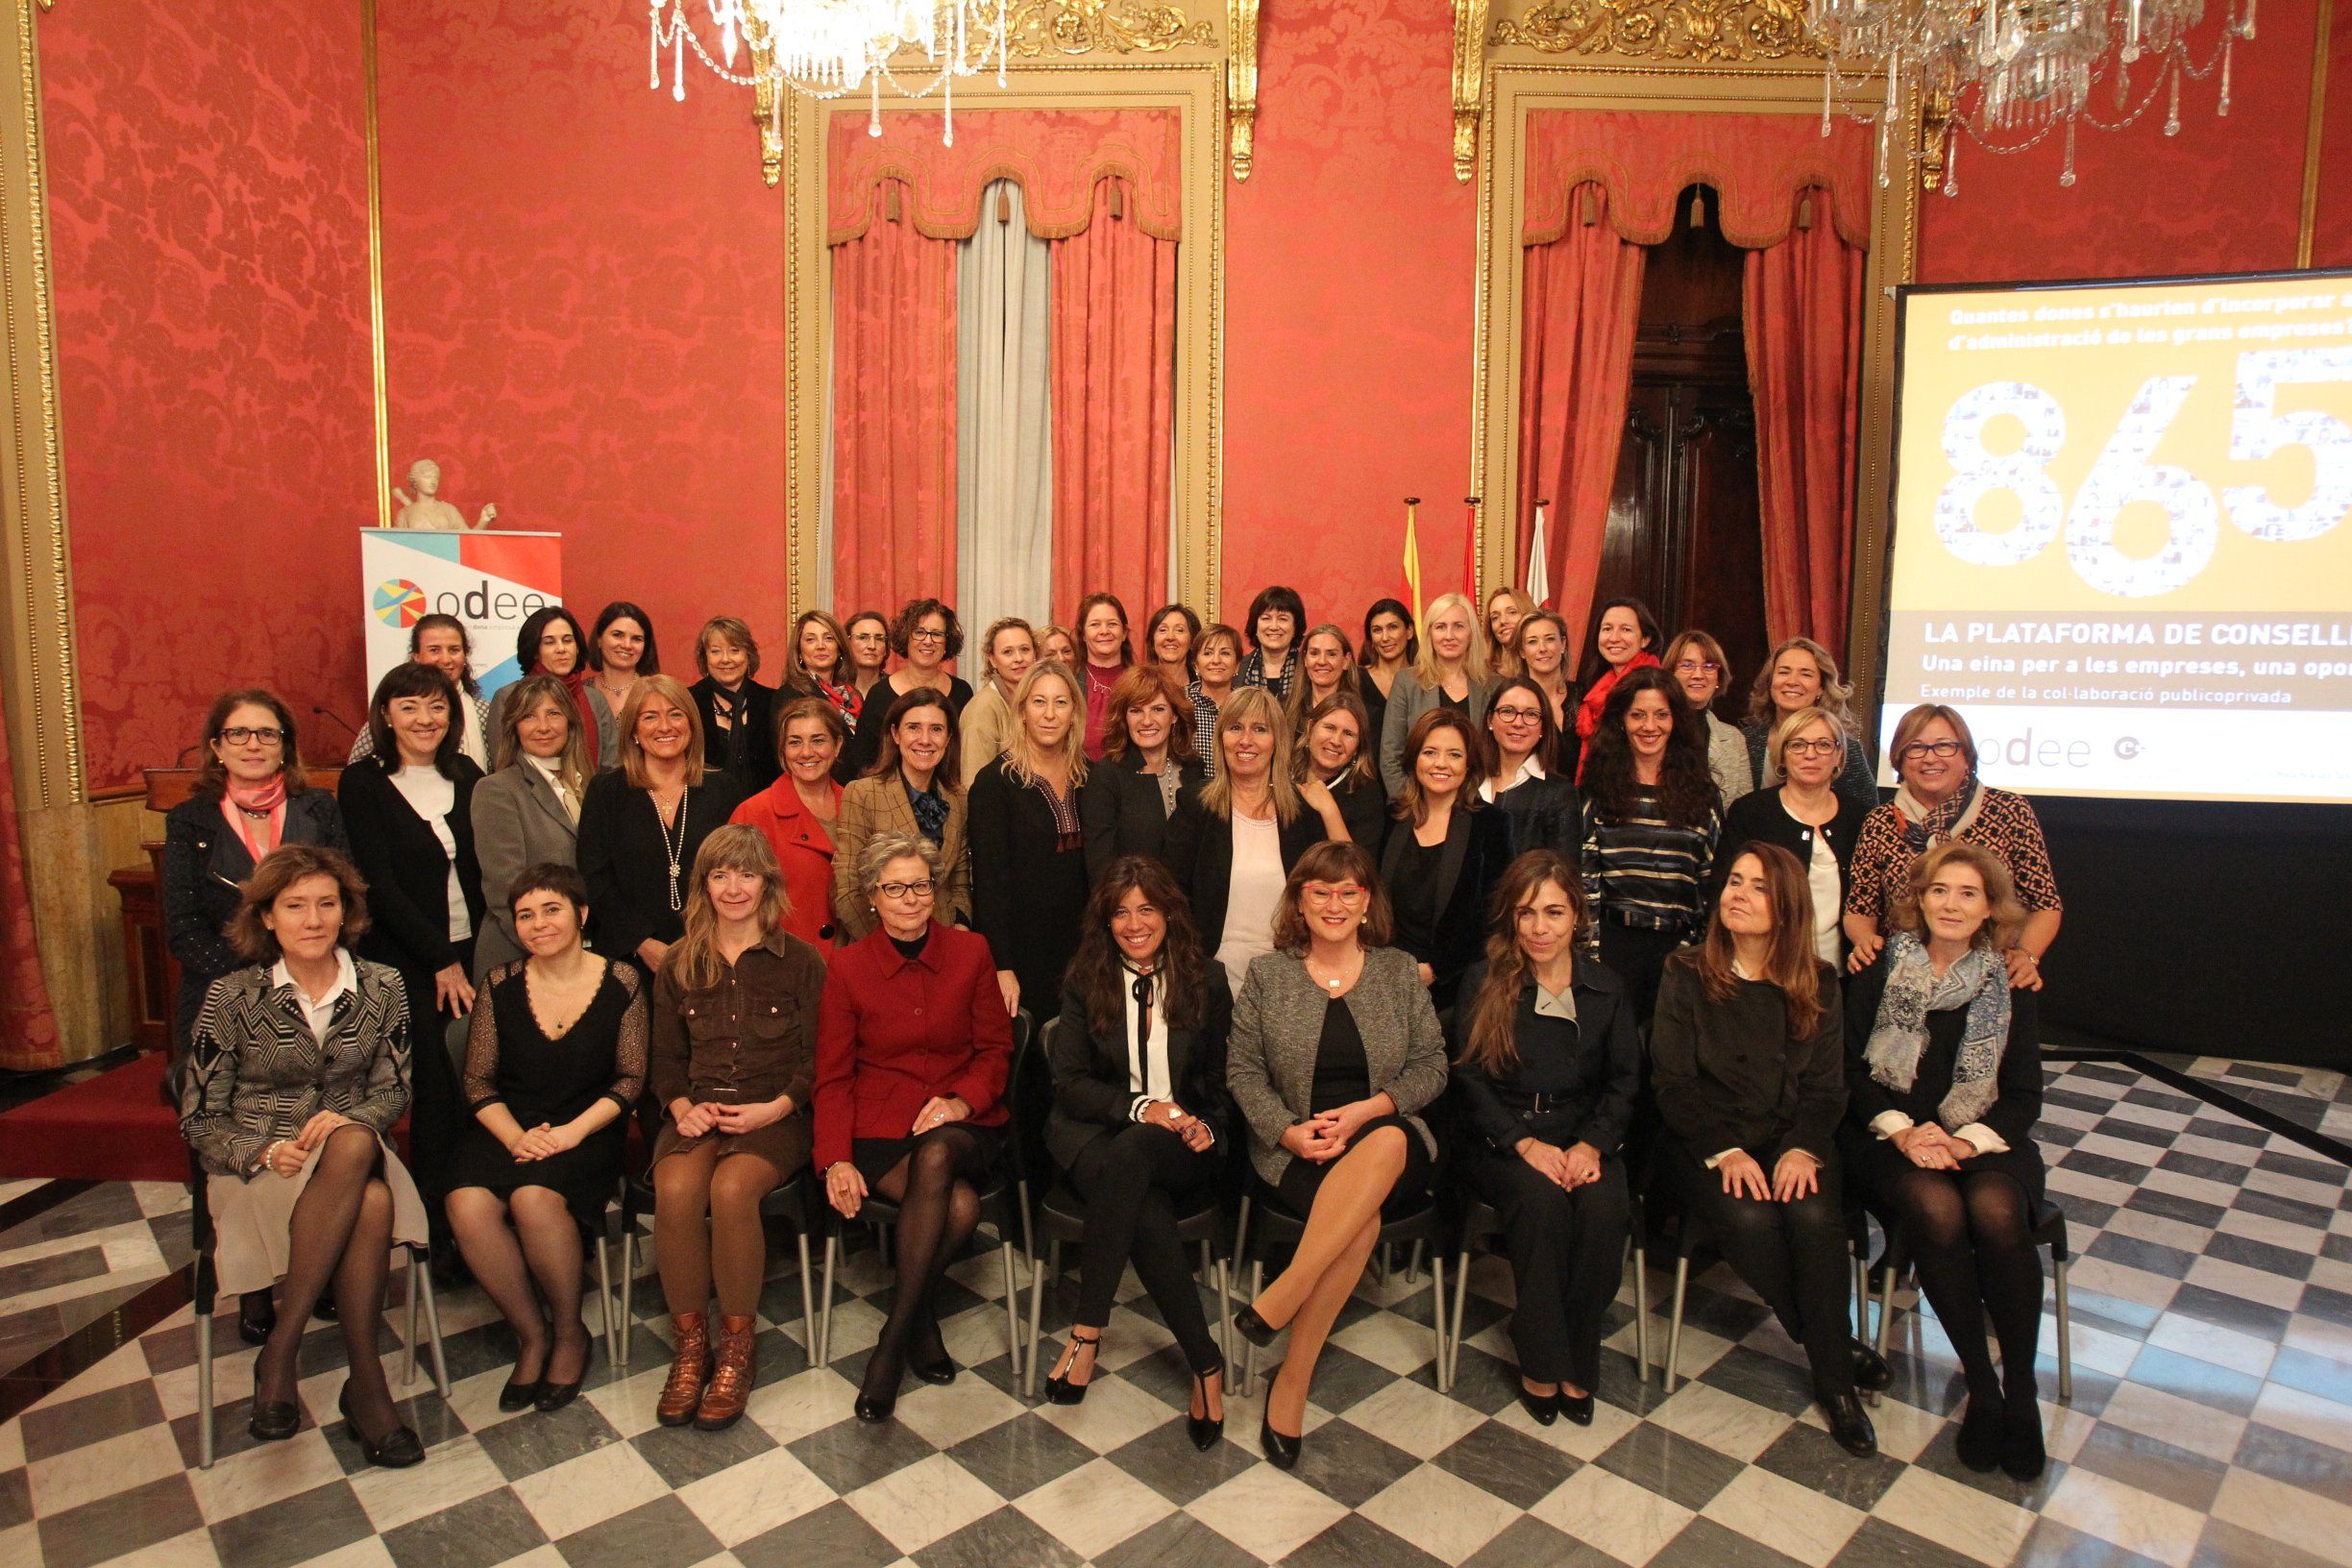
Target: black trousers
<point x="437" y="1103"/>
<point x="1133" y="1179"/>
<point x="1637" y="955"/>
<point x="1793" y="1254"/>
<point x="1567" y="1251"/>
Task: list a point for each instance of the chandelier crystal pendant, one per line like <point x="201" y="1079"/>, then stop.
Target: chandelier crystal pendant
<point x="831" y="48"/>
<point x="2009" y="73"/>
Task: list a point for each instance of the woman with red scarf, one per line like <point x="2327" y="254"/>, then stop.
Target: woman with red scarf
<point x="1623" y="638"/>
<point x="551" y="643"/>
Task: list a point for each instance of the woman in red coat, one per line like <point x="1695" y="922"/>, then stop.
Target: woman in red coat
<point x="913" y="1048"/>
<point x="795" y="814"/>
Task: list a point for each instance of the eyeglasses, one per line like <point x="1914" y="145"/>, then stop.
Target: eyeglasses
<point x="239" y="734"/>
<point x="1517" y="716"/>
<point x="1813" y="749"/>
<point x="1939" y="749"/>
<point x="1697" y="667"/>
<point x="1347" y="895"/>
<point x="906" y="890"/>
<point x="926" y="635"/>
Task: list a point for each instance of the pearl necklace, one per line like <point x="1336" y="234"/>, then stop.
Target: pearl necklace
<point x="674" y="853"/>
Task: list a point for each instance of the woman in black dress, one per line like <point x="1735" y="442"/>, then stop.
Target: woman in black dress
<point x="1944" y="1085"/>
<point x="1028" y="845"/>
<point x="1148" y="767"/>
<point x="539" y="1162"/>
<point x="1445" y="853"/>
<point x="738" y="714"/>
<point x="1334" y="752"/>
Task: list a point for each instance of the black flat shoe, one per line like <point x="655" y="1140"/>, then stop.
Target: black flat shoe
<point x="1578" y="1409"/>
<point x="1206" y="1431"/>
<point x="400" y="1448"/>
<point x="554" y="1395"/>
<point x="256" y="1318"/>
<point x="1542" y="1409"/>
<point x="2021" y="1454"/>
<point x="1058" y="1389"/>
<point x="876" y="1407"/>
<point x="324" y="1310"/>
<point x="274" y="1423"/>
<point x="1870" y="1371"/>
<point x="1979" y="1442"/>
<point x="1254" y="1329"/>
<point x="1850" y="1426"/>
<point x="940" y="1373"/>
<point x="518" y="1395"/>
<point x="1282" y="1452"/>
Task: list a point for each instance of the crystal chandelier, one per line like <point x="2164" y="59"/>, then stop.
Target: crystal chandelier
<point x="831" y="48"/>
<point x="2007" y="74"/>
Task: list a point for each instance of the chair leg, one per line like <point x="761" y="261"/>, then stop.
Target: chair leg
<point x="1674" y="1325"/>
<point x="1011" y="1300"/>
<point x="825" y="1317"/>
<point x="808" y="1301"/>
<point x="1886" y="1309"/>
<point x="1249" y="1353"/>
<point x="1036" y="1319"/>
<point x="2066" y="1338"/>
<point x="605" y="1300"/>
<point x="1444" y="1371"/>
<point x="408" y="1372"/>
<point x="1461" y="1291"/>
<point x="1641" y="1310"/>
<point x="203" y="1388"/>
<point x="432" y="1323"/>
<point x="1225" y="1328"/>
<point x="1413" y="1264"/>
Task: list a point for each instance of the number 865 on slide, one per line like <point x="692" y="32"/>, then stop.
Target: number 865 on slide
<point x="2125" y="472"/>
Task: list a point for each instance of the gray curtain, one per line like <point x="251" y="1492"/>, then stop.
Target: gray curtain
<point x="1004" y="423"/>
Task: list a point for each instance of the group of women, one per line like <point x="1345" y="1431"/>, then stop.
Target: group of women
<point x="1319" y="915"/>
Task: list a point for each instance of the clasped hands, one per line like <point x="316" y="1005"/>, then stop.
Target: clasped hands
<point x="288" y="1155"/>
<point x="1570" y="1167"/>
<point x="1796" y="1174"/>
<point x="696" y="1118"/>
<point x="1324" y="1135"/>
<point x="1196" y="1134"/>
<point x="1930" y="1147"/>
<point x="543" y="1141"/>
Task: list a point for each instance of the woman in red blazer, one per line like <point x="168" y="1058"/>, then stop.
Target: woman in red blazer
<point x="795" y="814"/>
<point x="913" y="1048"/>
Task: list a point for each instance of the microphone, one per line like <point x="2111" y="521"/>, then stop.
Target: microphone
<point x="321" y="710"/>
<point x="187" y="751"/>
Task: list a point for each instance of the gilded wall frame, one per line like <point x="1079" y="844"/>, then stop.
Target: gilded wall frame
<point x="1546" y="56"/>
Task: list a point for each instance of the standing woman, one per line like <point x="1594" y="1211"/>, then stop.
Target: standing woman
<point x="551" y="643"/>
<point x="1391" y="644"/>
<point x="1139" y="1118"/>
<point x="1216" y="659"/>
<point x="1799" y="675"/>
<point x="818" y="665"/>
<point x="642" y="824"/>
<point x="738" y="713"/>
<point x="1446" y="854"/>
<point x="409" y="810"/>
<point x="1550" y="1066"/>
<point x="1233" y="846"/>
<point x="927" y="636"/>
<point x="1651" y="827"/>
<point x="526" y="813"/>
<point x="1148" y="769"/>
<point x="1806" y="817"/>
<point x="1944" y="1082"/>
<point x="1028" y="845"/>
<point x="1006" y="653"/>
<point x="796" y="812"/>
<point x="1332" y="751"/>
<point x="297" y="1070"/>
<point x="1326" y="667"/>
<point x="733" y="1069"/>
<point x="866" y="638"/>
<point x="442" y="641"/>
<point x="1624" y="639"/>
<point x="1058" y="644"/>
<point x="1275" y="617"/>
<point x="622" y="653"/>
<point x="1168" y="637"/>
<point x="1696" y="661"/>
<point x="1334" y="1050"/>
<point x="912" y="1049"/>
<point x="1939" y="796"/>
<point x="1102" y="627"/>
<point x="537" y="1166"/>
<point x="1538" y="800"/>
<point x="1747" y="1063"/>
<point x="1451" y="672"/>
<point x="1543" y="658"/>
<point x="1506" y="609"/>
<point x="911" y="790"/>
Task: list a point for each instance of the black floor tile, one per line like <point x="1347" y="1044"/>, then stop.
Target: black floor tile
<point x="834" y="1536"/>
<point x="663" y="1533"/>
<point x="475" y="1533"/>
<point x="1508" y="1463"/>
<point x="1357" y="1542"/>
<point x="113" y="1526"/>
<point x="998" y="1540"/>
<point x="1178" y="1541"/>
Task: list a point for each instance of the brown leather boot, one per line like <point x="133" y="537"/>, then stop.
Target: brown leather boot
<point x="688" y="1368"/>
<point x="730" y="1386"/>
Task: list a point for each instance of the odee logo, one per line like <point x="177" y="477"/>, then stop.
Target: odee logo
<point x="400" y="603"/>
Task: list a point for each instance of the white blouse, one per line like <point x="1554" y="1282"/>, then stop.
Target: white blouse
<point x="1256" y="889"/>
<point x="434" y="798"/>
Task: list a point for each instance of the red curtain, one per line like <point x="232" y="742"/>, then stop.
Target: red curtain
<point x="1114" y="402"/>
<point x="28" y="1028"/>
<point x="894" y="411"/>
<point x="1803" y="309"/>
<point x="1581" y="303"/>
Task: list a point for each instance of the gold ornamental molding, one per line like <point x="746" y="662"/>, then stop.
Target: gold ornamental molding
<point x="1241" y="84"/>
<point x="1469" y="83"/>
<point x="1702" y="31"/>
<point x="1124" y="27"/>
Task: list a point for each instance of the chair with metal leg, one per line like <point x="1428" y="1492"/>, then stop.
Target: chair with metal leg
<point x="2050" y="1233"/>
<point x="797" y="1200"/>
<point x="1265" y="1231"/>
<point x="1482" y="1222"/>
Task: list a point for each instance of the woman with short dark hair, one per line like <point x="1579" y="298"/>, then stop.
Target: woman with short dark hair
<point x="1275" y="618"/>
<point x="927" y="635"/>
<point x="622" y="652"/>
<point x="552" y="643"/>
<point x="1391" y="644"/>
<point x="1625" y="638"/>
<point x="738" y="713"/>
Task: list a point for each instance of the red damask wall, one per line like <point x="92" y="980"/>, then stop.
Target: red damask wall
<point x="2332" y="238"/>
<point x="208" y="204"/>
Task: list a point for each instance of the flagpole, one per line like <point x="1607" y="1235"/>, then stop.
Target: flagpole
<point x="1412" y="560"/>
<point x="1470" y="548"/>
<point x="1538" y="583"/>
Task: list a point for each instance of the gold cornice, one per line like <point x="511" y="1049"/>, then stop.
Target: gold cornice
<point x="764" y="116"/>
<point x="1079" y="26"/>
<point x="1241" y="84"/>
<point x="1694" y="30"/>
<point x="1469" y="83"/>
<point x="2308" y="222"/>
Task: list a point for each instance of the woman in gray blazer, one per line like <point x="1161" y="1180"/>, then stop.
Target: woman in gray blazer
<point x="1334" y="1047"/>
<point x="1450" y="669"/>
<point x="528" y="813"/>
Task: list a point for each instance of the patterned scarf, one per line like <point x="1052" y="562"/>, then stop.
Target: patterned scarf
<point x="930" y="810"/>
<point x="1923" y="824"/>
<point x="1978" y="981"/>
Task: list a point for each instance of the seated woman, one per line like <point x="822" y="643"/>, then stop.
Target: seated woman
<point x="526" y="813"/>
<point x="796" y="812"/>
<point x="1334" y="752"/>
<point x="1944" y="1086"/>
<point x="1334" y="1050"/>
<point x="1028" y="845"/>
<point x="1549" y="1068"/>
<point x="1749" y="1072"/>
<point x="1139" y="1116"/>
<point x="733" y="1068"/>
<point x="538" y="1166"/>
<point x="1446" y="852"/>
<point x="912" y="789"/>
<point x="1806" y="816"/>
<point x="1537" y="797"/>
<point x="914" y="1045"/>
<point x="297" y="1068"/>
<point x="1147" y="768"/>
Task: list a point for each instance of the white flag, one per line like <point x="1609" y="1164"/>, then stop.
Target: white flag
<point x="1538" y="568"/>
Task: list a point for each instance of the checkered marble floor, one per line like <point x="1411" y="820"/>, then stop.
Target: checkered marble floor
<point x="2211" y="1426"/>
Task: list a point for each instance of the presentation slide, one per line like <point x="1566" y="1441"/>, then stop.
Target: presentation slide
<point x="2119" y="543"/>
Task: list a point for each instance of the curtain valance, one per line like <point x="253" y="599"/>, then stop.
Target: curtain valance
<point x="1056" y="155"/>
<point x="1756" y="163"/>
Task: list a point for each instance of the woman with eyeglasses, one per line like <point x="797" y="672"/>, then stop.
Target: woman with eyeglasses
<point x="1940" y="798"/>
<point x="1696" y="661"/>
<point x="1806" y="815"/>
<point x="1538" y="800"/>
<point x="1800" y="673"/>
<point x="865" y="651"/>
<point x="926" y="635"/>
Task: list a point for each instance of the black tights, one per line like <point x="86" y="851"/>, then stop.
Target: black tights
<point x="1975" y="1255"/>
<point x="340" y="1235"/>
<point x="542" y="1246"/>
<point x="939" y="1208"/>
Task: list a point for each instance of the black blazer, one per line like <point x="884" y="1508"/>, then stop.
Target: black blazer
<point x="1575" y="1083"/>
<point x="1119" y="808"/>
<point x="628" y="866"/>
<point x="406" y="870"/>
<point x="1364" y="809"/>
<point x="2018" y="1086"/>
<point x="1477" y="851"/>
<point x="1200" y="853"/>
<point x="1544" y="814"/>
<point x="1726" y="1074"/>
<point x="204" y="864"/>
<point x="749" y="750"/>
<point x="1759" y="817"/>
<point x="873" y="715"/>
<point x="1028" y="897"/>
<point x="1090" y="1073"/>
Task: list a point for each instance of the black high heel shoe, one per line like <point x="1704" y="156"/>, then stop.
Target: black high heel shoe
<point x="939" y="1373"/>
<point x="1254" y="1329"/>
<point x="519" y="1395"/>
<point x="1206" y="1431"/>
<point x="257" y="1317"/>
<point x="1576" y="1407"/>
<point x="399" y="1450"/>
<point x="1542" y="1409"/>
<point x="1058" y="1389"/>
<point x="877" y="1404"/>
<point x="274" y="1422"/>
<point x="1282" y="1451"/>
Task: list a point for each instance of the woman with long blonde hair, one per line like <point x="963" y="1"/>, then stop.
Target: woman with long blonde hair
<point x="1449" y="670"/>
<point x="1028" y="842"/>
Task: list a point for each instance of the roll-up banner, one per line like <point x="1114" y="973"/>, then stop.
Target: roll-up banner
<point x="490" y="581"/>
